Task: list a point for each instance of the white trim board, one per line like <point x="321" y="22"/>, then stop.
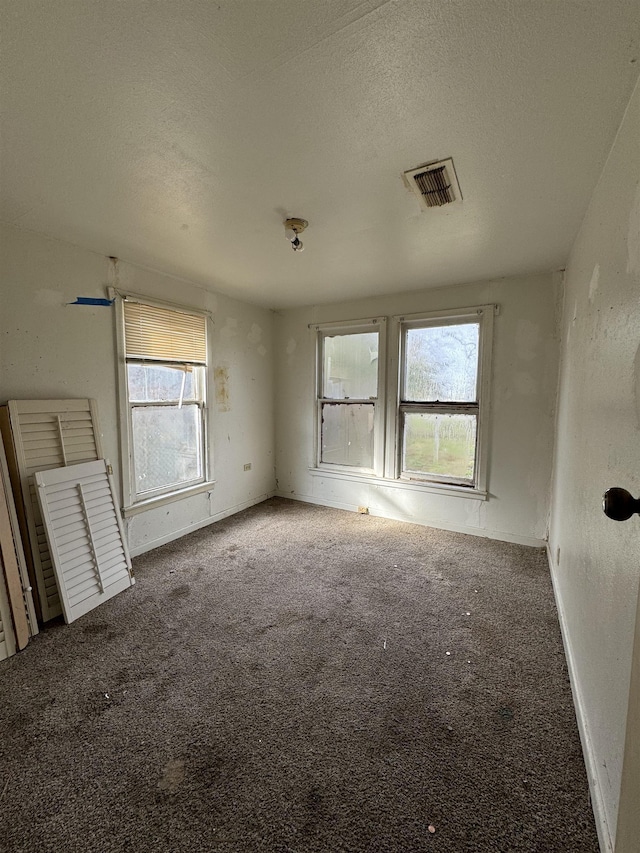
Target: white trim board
<point x="597" y="800"/>
<point x="197" y="525"/>
<point x="483" y="533"/>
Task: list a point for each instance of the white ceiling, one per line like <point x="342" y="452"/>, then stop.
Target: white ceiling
<point x="179" y="135"/>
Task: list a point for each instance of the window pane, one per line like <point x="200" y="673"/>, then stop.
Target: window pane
<point x="154" y="383"/>
<point x="167" y="446"/>
<point x="347" y="434"/>
<point x="443" y="445"/>
<point x="441" y="363"/>
<point x="350" y="366"/>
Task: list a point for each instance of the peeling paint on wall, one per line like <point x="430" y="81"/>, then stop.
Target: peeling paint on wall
<point x="221" y="382"/>
<point x="262" y="350"/>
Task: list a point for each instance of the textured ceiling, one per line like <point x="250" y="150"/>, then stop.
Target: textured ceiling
<point x="179" y="135"/>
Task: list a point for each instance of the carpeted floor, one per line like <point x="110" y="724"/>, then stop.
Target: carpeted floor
<point x="297" y="678"/>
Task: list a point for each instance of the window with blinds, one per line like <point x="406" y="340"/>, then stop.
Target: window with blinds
<point x="165" y="360"/>
<point x="161" y="334"/>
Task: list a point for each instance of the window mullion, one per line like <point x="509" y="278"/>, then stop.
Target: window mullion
<point x="332" y="401"/>
<point x="440" y="408"/>
<point x="156" y="403"/>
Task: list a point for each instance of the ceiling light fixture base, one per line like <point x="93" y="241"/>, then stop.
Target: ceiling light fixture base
<point x="295" y="224"/>
<point x="292" y="227"/>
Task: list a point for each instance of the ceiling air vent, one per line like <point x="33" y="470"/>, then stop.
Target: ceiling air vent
<point x="435" y="184"/>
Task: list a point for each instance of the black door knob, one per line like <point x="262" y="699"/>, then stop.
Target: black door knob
<point x="619" y="505"/>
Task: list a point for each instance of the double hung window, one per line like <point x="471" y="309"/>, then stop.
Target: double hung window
<point x="439" y="399"/>
<point x="434" y="388"/>
<point x="349" y="408"/>
<point x="165" y="354"/>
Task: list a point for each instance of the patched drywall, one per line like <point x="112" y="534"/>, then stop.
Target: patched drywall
<point x="524" y="377"/>
<point x="598" y="435"/>
<point x="50" y="349"/>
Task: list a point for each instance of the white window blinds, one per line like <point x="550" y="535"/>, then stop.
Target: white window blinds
<point x="152" y="332"/>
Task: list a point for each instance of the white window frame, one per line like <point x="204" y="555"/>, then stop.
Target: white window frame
<point x="132" y="503"/>
<point x="482" y="314"/>
<point x="322" y="331"/>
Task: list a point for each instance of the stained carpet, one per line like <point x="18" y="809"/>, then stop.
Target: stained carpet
<point x="298" y="678"/>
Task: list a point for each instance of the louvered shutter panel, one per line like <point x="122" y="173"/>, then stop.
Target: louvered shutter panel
<point x="18" y="586"/>
<point x="85" y="536"/>
<point x="161" y="334"/>
<point x="7" y="636"/>
<point x="49" y="434"/>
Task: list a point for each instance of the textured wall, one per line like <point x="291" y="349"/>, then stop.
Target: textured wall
<point x="596" y="567"/>
<point x="49" y="349"/>
<point x="523" y="390"/>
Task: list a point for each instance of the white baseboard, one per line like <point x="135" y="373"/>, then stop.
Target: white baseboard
<point x="439" y="525"/>
<point x="176" y="534"/>
<point x="597" y="800"/>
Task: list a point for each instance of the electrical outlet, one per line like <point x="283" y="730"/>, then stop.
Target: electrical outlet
<point x="363" y="510"/>
<point x="247" y="467"/>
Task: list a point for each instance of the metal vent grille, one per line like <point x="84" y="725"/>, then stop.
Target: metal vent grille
<point x="435" y="184"/>
<point x="434" y="187"/>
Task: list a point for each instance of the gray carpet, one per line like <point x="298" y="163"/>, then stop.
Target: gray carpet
<point x="297" y="678"/>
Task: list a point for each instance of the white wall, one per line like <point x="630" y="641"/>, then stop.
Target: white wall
<point x="595" y="561"/>
<point x="523" y="393"/>
<point x="49" y="349"/>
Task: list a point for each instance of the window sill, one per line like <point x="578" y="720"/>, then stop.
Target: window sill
<point x="169" y="497"/>
<point x="405" y="485"/>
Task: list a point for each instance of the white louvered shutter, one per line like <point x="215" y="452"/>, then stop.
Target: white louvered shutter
<point x="49" y="434"/>
<point x="84" y="531"/>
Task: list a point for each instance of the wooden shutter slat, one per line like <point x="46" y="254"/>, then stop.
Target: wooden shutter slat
<point x="63" y="490"/>
<point x="48" y="417"/>
<point x="35" y="407"/>
<point x="68" y="508"/>
<point x="77" y="574"/>
<point x="90" y="585"/>
<point x="67" y="532"/>
<point x="105" y="514"/>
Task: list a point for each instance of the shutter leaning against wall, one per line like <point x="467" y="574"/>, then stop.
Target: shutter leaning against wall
<point x="49" y="434"/>
<point x="12" y="561"/>
<point x="7" y="635"/>
<point x="161" y="334"/>
<point x="85" y="536"/>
